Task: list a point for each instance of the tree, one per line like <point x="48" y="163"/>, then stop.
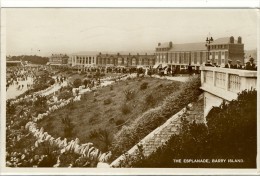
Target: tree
<point x="77" y="83"/>
<point x="230" y="133"/>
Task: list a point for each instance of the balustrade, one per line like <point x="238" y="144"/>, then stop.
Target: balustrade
<point x="226" y="83"/>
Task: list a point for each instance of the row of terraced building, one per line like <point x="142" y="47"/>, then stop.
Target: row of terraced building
<point x="166" y="54"/>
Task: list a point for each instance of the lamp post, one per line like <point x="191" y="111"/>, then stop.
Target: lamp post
<point x="208" y="41"/>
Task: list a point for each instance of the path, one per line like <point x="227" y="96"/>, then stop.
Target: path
<point x="13" y="91"/>
<point x="174" y="78"/>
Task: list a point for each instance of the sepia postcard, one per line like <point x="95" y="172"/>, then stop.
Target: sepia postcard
<point x="129" y="91"/>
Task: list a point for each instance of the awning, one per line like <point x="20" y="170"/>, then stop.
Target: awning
<point x="156" y="65"/>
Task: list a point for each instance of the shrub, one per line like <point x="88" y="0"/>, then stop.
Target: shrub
<point x="68" y="126"/>
<point x="150" y="100"/>
<point x="144" y="85"/>
<point x="231" y="132"/>
<point x="107" y="101"/>
<point x="129" y="94"/>
<point x="94" y="119"/>
<point x="102" y="135"/>
<point x="125" y="109"/>
<point x="77" y="83"/>
<point x="120" y="122"/>
<point x="111" y="87"/>
<point x="52" y="81"/>
<point x="65" y="95"/>
<point x="151" y="119"/>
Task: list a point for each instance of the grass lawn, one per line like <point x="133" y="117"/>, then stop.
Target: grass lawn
<point x="108" y="109"/>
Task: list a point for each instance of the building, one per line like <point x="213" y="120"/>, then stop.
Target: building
<point x="126" y="59"/>
<point x="196" y="54"/>
<point x="58" y="59"/>
<point x="83" y="60"/>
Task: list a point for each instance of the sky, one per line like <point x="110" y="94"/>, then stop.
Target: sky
<point x="43" y="31"/>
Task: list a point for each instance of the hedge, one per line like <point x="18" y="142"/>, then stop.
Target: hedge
<point x="230" y="133"/>
<point x="130" y="135"/>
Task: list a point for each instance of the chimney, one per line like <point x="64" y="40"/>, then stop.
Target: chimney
<point x="159" y="44"/>
<point x="170" y="44"/>
<point x="231" y="39"/>
<point x="239" y="40"/>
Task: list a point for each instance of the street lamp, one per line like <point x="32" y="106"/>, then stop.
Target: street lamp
<point x="208" y="41"/>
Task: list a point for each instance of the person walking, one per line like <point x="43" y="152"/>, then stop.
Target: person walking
<point x="229" y="64"/>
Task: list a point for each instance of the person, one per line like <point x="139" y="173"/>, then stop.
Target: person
<point x="229" y="64"/>
<point x="208" y="64"/>
<point x="238" y="65"/>
<point x="250" y="65"/>
<point x="190" y="69"/>
<point x="215" y="64"/>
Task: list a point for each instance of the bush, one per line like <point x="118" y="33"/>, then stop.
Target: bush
<point x="150" y="100"/>
<point x="103" y="136"/>
<point x="144" y="85"/>
<point x="125" y="109"/>
<point x="129" y="94"/>
<point x="148" y="121"/>
<point x="68" y="126"/>
<point x="120" y="122"/>
<point x="65" y="95"/>
<point x="231" y="132"/>
<point x="94" y="119"/>
<point x="52" y="81"/>
<point x="107" y="101"/>
<point x="77" y="83"/>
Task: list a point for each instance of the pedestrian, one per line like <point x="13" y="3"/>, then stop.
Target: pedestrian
<point x="251" y="65"/>
<point x="238" y="65"/>
<point x="229" y="64"/>
<point x="190" y="69"/>
<point x="215" y="64"/>
<point x="208" y="64"/>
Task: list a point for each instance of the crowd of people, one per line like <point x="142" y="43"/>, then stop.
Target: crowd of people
<point x="17" y="76"/>
<point x="248" y="65"/>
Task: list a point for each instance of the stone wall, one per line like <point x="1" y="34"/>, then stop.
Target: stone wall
<point x="158" y="137"/>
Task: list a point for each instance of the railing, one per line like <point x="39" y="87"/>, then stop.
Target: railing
<point x="226" y="83"/>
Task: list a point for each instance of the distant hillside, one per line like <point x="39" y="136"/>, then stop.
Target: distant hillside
<point x="31" y="59"/>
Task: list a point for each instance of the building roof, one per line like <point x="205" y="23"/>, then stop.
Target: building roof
<point x="164" y="45"/>
<point x="223" y="40"/>
<point x="188" y="47"/>
<point x="133" y="53"/>
<point x="82" y="53"/>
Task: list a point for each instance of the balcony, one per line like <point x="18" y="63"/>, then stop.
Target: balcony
<point x="226" y="83"/>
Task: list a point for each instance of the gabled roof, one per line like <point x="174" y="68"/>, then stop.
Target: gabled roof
<point x="223" y="40"/>
<point x="189" y="47"/>
<point x="82" y="53"/>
